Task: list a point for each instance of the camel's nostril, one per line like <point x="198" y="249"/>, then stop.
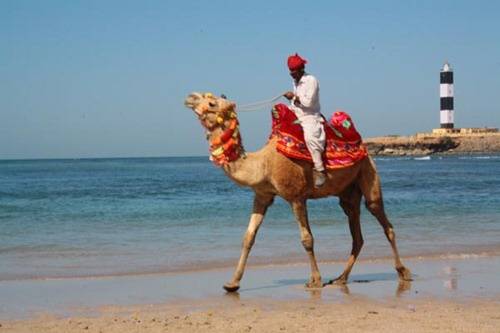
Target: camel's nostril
<point x="192" y="100"/>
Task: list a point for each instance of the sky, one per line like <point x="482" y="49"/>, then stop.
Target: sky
<point x="84" y="79"/>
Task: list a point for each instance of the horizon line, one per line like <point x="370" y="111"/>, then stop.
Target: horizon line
<point x="95" y="158"/>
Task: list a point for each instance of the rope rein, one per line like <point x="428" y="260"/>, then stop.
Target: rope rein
<point x="258" y="105"/>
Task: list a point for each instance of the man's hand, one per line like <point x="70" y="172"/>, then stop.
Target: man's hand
<point x="289" y="95"/>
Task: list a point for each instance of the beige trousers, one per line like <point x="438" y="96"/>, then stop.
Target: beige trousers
<point x="314" y="135"/>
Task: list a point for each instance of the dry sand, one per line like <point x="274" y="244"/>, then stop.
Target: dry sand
<point x="282" y="316"/>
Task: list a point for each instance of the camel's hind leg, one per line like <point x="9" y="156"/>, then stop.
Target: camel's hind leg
<point x="350" y="201"/>
<point x="369" y="182"/>
<point x="300" y="211"/>
<point x="260" y="205"/>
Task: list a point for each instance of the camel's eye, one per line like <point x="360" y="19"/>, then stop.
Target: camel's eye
<point x="212" y="104"/>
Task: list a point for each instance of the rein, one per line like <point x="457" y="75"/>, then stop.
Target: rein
<point x="258" y="105"/>
<point x="227" y="147"/>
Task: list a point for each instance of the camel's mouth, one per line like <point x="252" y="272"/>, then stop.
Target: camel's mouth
<point x="192" y="102"/>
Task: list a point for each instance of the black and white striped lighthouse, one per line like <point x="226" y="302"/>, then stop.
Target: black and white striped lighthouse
<point x="446" y="94"/>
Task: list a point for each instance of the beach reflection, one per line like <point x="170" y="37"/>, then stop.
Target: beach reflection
<point x="232" y="296"/>
<point x="404" y="287"/>
<point x="315" y="294"/>
<point x="451" y="281"/>
<point x="366" y="283"/>
<point x="451" y="284"/>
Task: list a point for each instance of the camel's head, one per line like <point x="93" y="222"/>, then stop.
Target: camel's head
<point x="218" y="116"/>
<point x="212" y="111"/>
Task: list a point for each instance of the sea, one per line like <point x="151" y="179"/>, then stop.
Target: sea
<point x="70" y="218"/>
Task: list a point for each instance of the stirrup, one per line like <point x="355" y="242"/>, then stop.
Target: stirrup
<point x="319" y="179"/>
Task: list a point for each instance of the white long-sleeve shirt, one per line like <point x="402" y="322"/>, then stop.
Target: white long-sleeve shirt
<point x="307" y="89"/>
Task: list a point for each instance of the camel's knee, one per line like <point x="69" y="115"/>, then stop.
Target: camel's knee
<point x="374" y="207"/>
<point x="307" y="242"/>
<point x="390" y="234"/>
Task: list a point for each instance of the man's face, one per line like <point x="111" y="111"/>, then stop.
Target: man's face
<point x="297" y="74"/>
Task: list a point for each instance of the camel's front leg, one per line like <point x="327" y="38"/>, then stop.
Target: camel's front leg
<point x="350" y="203"/>
<point x="260" y="205"/>
<point x="300" y="211"/>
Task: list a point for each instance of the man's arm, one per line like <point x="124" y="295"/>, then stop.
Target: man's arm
<point x="289" y="95"/>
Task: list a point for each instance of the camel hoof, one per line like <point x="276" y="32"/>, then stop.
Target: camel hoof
<point x="231" y="287"/>
<point x="340" y="281"/>
<point x="314" y="284"/>
<point x="404" y="273"/>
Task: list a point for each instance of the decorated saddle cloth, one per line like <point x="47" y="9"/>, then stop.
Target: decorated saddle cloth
<point x="344" y="145"/>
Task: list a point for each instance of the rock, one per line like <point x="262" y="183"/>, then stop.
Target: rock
<point x="388" y="151"/>
<point x="411" y="145"/>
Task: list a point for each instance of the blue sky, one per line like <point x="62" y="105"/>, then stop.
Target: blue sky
<point x="108" y="78"/>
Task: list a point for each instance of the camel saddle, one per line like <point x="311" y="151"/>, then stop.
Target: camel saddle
<point x="344" y="145"/>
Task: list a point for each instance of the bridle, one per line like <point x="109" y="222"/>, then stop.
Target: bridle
<point x="226" y="147"/>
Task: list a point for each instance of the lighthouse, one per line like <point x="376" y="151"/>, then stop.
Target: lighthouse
<point x="447" y="114"/>
<point x="446" y="95"/>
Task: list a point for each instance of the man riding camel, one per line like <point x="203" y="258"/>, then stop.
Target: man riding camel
<point x="304" y="102"/>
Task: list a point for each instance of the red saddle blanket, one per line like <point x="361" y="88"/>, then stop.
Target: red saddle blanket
<point x="344" y="145"/>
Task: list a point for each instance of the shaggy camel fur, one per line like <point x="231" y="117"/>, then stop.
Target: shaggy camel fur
<point x="269" y="173"/>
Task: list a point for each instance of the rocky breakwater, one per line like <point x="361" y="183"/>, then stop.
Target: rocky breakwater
<point x="421" y="146"/>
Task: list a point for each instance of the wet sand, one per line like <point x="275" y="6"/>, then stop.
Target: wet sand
<point x="447" y="295"/>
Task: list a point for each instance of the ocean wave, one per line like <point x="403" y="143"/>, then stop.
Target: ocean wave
<point x="481" y="157"/>
<point x="423" y="158"/>
<point x="399" y="158"/>
<point x="294" y="260"/>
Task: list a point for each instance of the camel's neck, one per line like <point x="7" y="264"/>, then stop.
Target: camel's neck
<point x="247" y="170"/>
<point x="226" y="151"/>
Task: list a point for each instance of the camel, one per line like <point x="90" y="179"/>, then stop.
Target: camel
<point x="270" y="174"/>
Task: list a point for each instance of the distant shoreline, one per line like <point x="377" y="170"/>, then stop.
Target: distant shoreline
<point x="422" y="146"/>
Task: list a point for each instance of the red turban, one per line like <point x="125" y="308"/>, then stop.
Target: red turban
<point x="296" y="62"/>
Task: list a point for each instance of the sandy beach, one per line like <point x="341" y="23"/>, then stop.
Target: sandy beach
<point x="449" y="294"/>
<point x="301" y="316"/>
